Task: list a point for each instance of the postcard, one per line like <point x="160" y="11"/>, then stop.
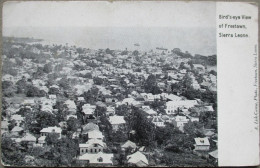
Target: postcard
<point x="129" y="83"/>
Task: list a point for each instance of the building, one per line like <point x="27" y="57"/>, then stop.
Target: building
<point x="4" y="126"/>
<point x="95" y="134"/>
<point x="49" y="130"/>
<point x="88" y="110"/>
<point x="29" y="139"/>
<point x="92" y="146"/>
<point x="110" y="111"/>
<point x="213" y="156"/>
<point x="16" y="130"/>
<point x="158" y="121"/>
<point x="129" y="144"/>
<point x="117" y="122"/>
<point x="201" y="144"/>
<point x="89" y="127"/>
<point x="18" y="119"/>
<point x="180" y="121"/>
<point x="96" y="159"/>
<point x="71" y="106"/>
<point x="137" y="159"/>
<point x="173" y="106"/>
<point x="41" y="141"/>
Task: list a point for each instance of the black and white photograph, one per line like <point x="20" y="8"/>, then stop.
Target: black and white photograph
<point x="99" y="83"/>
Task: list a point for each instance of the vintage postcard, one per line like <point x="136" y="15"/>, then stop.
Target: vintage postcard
<point x="129" y="83"/>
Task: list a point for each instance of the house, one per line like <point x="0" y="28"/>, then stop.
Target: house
<point x="142" y="149"/>
<point x="11" y="111"/>
<point x="158" y="121"/>
<point x="4" y="126"/>
<point x="110" y="110"/>
<point x="200" y="68"/>
<point x="145" y="108"/>
<point x="53" y="98"/>
<point x="201" y="144"/>
<point x="172" y="97"/>
<point x="193" y="118"/>
<point x="96" y="159"/>
<point x="208" y="132"/>
<point x="29" y="139"/>
<point x="71" y="116"/>
<point x="150" y="112"/>
<point x="63" y="124"/>
<point x="130" y="101"/>
<point x="110" y="99"/>
<point x="76" y="134"/>
<point x="47" y="108"/>
<point x="129" y="144"/>
<point x="148" y="97"/>
<point x="49" y="130"/>
<point x="89" y="127"/>
<point x="81" y="99"/>
<point x="18" y="119"/>
<point x="179" y="122"/>
<point x="95" y="134"/>
<point x="41" y="141"/>
<point x="137" y="159"/>
<point x="213" y="155"/>
<point x="195" y="85"/>
<point x="117" y="122"/>
<point x="8" y="77"/>
<point x="16" y="130"/>
<point x="88" y="110"/>
<point x="71" y="106"/>
<point x="173" y="106"/>
<point x="92" y="146"/>
<point x="202" y="109"/>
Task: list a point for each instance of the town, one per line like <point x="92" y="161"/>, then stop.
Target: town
<point x="65" y="105"/>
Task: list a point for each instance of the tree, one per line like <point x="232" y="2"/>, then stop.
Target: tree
<point x="31" y="123"/>
<point x="64" y="83"/>
<point x="192" y="128"/>
<point x="45" y="119"/>
<point x="121" y="110"/>
<point x="91" y="95"/>
<point x="125" y="52"/>
<point x="21" y="86"/>
<point x="72" y="124"/>
<point x="108" y="51"/>
<point x="213" y="72"/>
<point x="68" y="149"/>
<point x="34" y="92"/>
<point x="54" y="91"/>
<point x="47" y="68"/>
<point x="100" y="111"/>
<point x="150" y="85"/>
<point x="119" y="136"/>
<point x="145" y="130"/>
<point x="98" y="81"/>
<point x="39" y="73"/>
<point x="6" y="84"/>
<point x="8" y="88"/>
<point x="11" y="125"/>
<point x="52" y="138"/>
<point x="11" y="155"/>
<point x="135" y="53"/>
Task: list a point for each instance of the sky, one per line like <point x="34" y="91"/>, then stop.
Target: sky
<point x="197" y="19"/>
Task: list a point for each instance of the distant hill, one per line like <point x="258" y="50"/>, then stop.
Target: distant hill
<point x="20" y="39"/>
<point x="208" y="60"/>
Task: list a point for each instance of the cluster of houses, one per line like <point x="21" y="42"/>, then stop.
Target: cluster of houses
<point x="81" y="71"/>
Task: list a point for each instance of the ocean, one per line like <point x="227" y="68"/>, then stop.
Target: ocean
<point x="194" y="40"/>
